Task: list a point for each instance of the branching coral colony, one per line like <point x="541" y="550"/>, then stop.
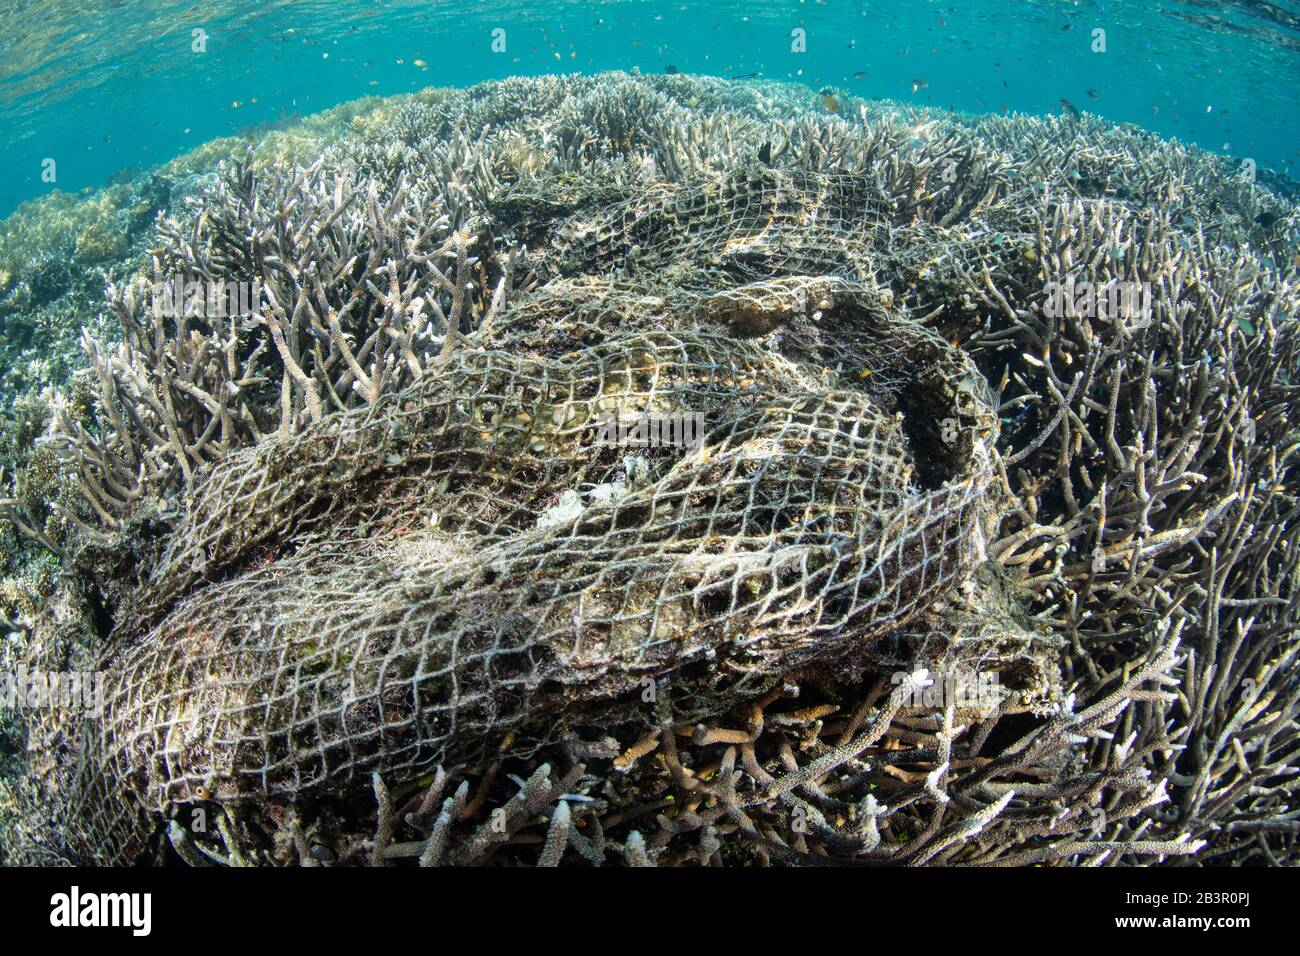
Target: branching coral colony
<point x="365" y="589"/>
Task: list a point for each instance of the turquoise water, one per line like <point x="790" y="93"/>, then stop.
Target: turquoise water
<point x="103" y="86"/>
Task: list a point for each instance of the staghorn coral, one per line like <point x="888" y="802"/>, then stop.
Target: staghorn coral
<point x="342" y="323"/>
<point x="335" y="507"/>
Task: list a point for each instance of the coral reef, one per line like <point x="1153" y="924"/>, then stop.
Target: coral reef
<point x="366" y="589"/>
<point x="57" y="254"/>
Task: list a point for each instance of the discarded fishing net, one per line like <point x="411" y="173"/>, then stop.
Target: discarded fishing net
<point x="377" y="536"/>
<point x="410" y="582"/>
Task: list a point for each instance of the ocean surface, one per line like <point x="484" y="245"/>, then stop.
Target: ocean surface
<point x="106" y="88"/>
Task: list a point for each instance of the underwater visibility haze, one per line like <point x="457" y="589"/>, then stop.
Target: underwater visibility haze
<point x="649" y="434"/>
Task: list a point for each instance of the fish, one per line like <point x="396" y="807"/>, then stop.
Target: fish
<point x="670" y="69"/>
<point x="919" y="84"/>
<point x="830" y="102"/>
<point x="1069" y="108"/>
<point x="746" y="76"/>
<point x="765" y="154"/>
<point x="1091" y="93"/>
<point x="860" y="75"/>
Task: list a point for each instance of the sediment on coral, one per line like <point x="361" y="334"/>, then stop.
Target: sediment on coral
<point x="366" y="587"/>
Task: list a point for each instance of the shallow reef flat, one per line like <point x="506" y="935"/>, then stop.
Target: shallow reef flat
<point x="984" y="552"/>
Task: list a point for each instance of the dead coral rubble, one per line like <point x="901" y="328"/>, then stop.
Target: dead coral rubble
<point x="340" y="629"/>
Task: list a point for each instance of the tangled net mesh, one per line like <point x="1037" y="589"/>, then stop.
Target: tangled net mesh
<point x="368" y="539"/>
